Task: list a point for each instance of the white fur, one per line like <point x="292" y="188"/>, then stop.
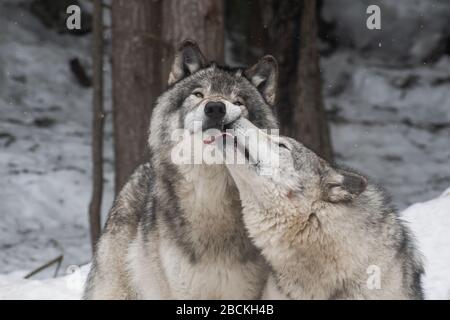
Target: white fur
<point x="215" y="279"/>
<point x="271" y="291"/>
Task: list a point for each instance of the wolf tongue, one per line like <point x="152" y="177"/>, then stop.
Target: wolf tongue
<point x="211" y="139"/>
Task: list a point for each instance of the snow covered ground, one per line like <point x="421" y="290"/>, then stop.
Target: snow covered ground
<point x="69" y="287"/>
<point x="390" y="123"/>
<point x="45" y="148"/>
<point x="430" y="222"/>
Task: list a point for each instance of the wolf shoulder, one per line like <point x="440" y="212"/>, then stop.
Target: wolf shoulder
<point x="109" y="277"/>
<point x="132" y="201"/>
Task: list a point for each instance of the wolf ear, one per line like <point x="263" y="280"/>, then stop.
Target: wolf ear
<point x="341" y="185"/>
<point x="188" y="60"/>
<point x="264" y="76"/>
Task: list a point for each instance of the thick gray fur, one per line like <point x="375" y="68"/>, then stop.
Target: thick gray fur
<point x="327" y="233"/>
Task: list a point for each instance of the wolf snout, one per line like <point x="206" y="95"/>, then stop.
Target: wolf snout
<point x="215" y="110"/>
<point x="219" y="114"/>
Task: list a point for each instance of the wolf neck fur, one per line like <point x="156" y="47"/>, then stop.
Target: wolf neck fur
<point x="210" y="202"/>
<point x="296" y="245"/>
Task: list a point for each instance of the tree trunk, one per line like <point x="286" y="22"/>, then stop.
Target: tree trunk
<point x="245" y="31"/>
<point x="292" y="39"/>
<point x="97" y="125"/>
<point x="310" y="111"/>
<point x="136" y="68"/>
<point x="198" y="20"/>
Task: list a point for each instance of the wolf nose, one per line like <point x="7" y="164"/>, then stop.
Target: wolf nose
<point x="215" y="110"/>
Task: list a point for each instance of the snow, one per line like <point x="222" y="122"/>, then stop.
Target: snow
<point x="389" y="122"/>
<point x="70" y="287"/>
<point x="430" y="222"/>
<point x="45" y="153"/>
<point x="411" y="31"/>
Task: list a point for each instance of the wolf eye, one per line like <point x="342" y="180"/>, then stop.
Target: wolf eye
<point x="198" y="94"/>
<point x="282" y="145"/>
<point x="237" y="103"/>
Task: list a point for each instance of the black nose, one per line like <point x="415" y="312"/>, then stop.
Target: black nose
<point x="215" y="110"/>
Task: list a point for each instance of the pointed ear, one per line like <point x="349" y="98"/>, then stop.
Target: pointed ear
<point x="264" y="76"/>
<point x="188" y="60"/>
<point x="341" y="185"/>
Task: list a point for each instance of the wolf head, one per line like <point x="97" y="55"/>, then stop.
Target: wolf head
<point x="313" y="221"/>
<point x="204" y="96"/>
<point x="296" y="175"/>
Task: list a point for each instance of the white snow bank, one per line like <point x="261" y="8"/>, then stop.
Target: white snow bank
<point x="70" y="287"/>
<point x="430" y="223"/>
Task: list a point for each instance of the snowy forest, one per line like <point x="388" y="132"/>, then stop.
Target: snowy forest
<point x="75" y="108"/>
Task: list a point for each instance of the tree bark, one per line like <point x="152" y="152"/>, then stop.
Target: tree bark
<point x="292" y="39"/>
<point x="310" y="113"/>
<point x="97" y="125"/>
<point x="246" y="32"/>
<point x="137" y="74"/>
<point x="198" y="20"/>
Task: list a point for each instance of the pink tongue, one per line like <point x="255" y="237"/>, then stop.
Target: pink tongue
<point x="211" y="139"/>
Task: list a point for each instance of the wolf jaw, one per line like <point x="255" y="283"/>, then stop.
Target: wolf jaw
<point x="322" y="228"/>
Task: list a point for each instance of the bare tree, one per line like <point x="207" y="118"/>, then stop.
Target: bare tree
<point x="310" y="111"/>
<point x="292" y="39"/>
<point x="136" y="69"/>
<point x="97" y="125"/>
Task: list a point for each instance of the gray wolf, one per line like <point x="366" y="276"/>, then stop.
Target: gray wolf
<point x="327" y="233"/>
<point x="175" y="231"/>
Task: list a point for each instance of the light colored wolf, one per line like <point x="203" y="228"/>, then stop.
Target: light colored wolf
<point x="176" y="230"/>
<point x="326" y="232"/>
